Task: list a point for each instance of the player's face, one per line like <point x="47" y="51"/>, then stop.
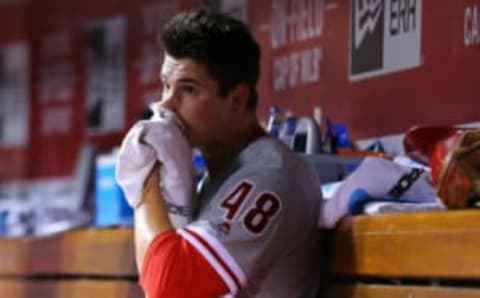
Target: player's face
<point x="190" y="92"/>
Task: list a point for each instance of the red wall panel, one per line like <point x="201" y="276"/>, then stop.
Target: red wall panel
<point x="442" y="89"/>
<point x="306" y="56"/>
<point x="14" y="161"/>
<point x="56" y="88"/>
<point x="55" y="153"/>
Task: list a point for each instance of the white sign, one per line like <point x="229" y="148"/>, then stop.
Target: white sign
<point x="471" y="26"/>
<point x="14" y="94"/>
<point x="385" y="36"/>
<point x="106" y="73"/>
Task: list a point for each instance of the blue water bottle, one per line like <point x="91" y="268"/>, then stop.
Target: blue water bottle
<point x="274" y="122"/>
<point x="3" y="223"/>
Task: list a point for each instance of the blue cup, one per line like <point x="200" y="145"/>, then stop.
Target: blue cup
<point x="3" y="223"/>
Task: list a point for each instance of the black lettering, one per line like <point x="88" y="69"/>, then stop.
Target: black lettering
<point x="408" y="13"/>
<point x="404" y="183"/>
<point x="395" y="192"/>
<point x="178" y="210"/>
<point x="394" y="23"/>
<point x="360" y="5"/>
<point x="402" y="16"/>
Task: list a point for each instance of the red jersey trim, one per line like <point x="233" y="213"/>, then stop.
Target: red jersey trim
<point x="171" y="262"/>
<point x="221" y="251"/>
<point x="217" y="256"/>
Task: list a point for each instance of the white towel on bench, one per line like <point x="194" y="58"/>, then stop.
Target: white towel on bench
<point x="380" y="185"/>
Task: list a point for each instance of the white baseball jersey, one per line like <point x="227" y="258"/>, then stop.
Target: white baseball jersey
<point x="257" y="223"/>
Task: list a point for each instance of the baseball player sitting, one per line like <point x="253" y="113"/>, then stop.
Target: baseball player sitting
<point x="254" y="232"/>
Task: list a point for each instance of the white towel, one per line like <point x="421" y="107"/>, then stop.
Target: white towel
<point x="161" y="139"/>
<point x="375" y="181"/>
<point x="393" y="207"/>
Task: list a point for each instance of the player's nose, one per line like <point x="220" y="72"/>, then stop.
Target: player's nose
<point x="170" y="100"/>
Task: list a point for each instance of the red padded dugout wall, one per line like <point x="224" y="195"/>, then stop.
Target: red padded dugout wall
<point x="57" y="32"/>
<point x="14" y="160"/>
<point x="442" y="88"/>
<point x="56" y="105"/>
<point x="306" y="61"/>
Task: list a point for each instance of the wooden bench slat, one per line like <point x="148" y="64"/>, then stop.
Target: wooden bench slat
<point x="83" y="252"/>
<point x="414" y="245"/>
<point x="386" y="291"/>
<point x="70" y="289"/>
<point x="428" y="244"/>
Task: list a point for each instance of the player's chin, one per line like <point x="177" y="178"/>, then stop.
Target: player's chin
<point x="189" y="134"/>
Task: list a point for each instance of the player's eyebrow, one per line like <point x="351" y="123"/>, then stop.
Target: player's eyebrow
<point x="185" y="80"/>
<point x="190" y="81"/>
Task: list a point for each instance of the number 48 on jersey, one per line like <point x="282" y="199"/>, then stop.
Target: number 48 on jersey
<point x="260" y="211"/>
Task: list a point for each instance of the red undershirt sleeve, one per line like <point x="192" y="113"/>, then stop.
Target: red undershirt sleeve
<point x="172" y="267"/>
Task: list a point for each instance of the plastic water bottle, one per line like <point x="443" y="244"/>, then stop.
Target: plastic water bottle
<point x="288" y="132"/>
<point x="341" y="133"/>
<point x="330" y="139"/>
<point x="274" y="122"/>
<point x="3" y="223"/>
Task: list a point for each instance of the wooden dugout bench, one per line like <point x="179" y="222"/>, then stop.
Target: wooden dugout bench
<point x="91" y="263"/>
<point x="410" y="255"/>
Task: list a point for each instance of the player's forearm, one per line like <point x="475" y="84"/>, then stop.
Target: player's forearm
<point x="150" y="218"/>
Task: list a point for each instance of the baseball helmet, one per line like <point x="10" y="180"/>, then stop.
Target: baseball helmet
<point x="453" y="155"/>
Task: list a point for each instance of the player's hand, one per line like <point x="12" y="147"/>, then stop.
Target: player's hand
<point x="151" y="186"/>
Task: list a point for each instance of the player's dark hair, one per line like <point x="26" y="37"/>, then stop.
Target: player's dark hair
<point x="219" y="42"/>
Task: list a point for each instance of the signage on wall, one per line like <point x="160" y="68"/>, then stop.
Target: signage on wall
<point x="385" y="36"/>
<point x="471" y="25"/>
<point x="14" y="94"/>
<point x="106" y="43"/>
<point x="296" y="29"/>
<point x="56" y="83"/>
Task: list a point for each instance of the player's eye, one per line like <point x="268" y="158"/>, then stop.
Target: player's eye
<point x="190" y="90"/>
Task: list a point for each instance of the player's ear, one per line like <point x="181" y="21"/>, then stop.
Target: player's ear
<point x="239" y="97"/>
